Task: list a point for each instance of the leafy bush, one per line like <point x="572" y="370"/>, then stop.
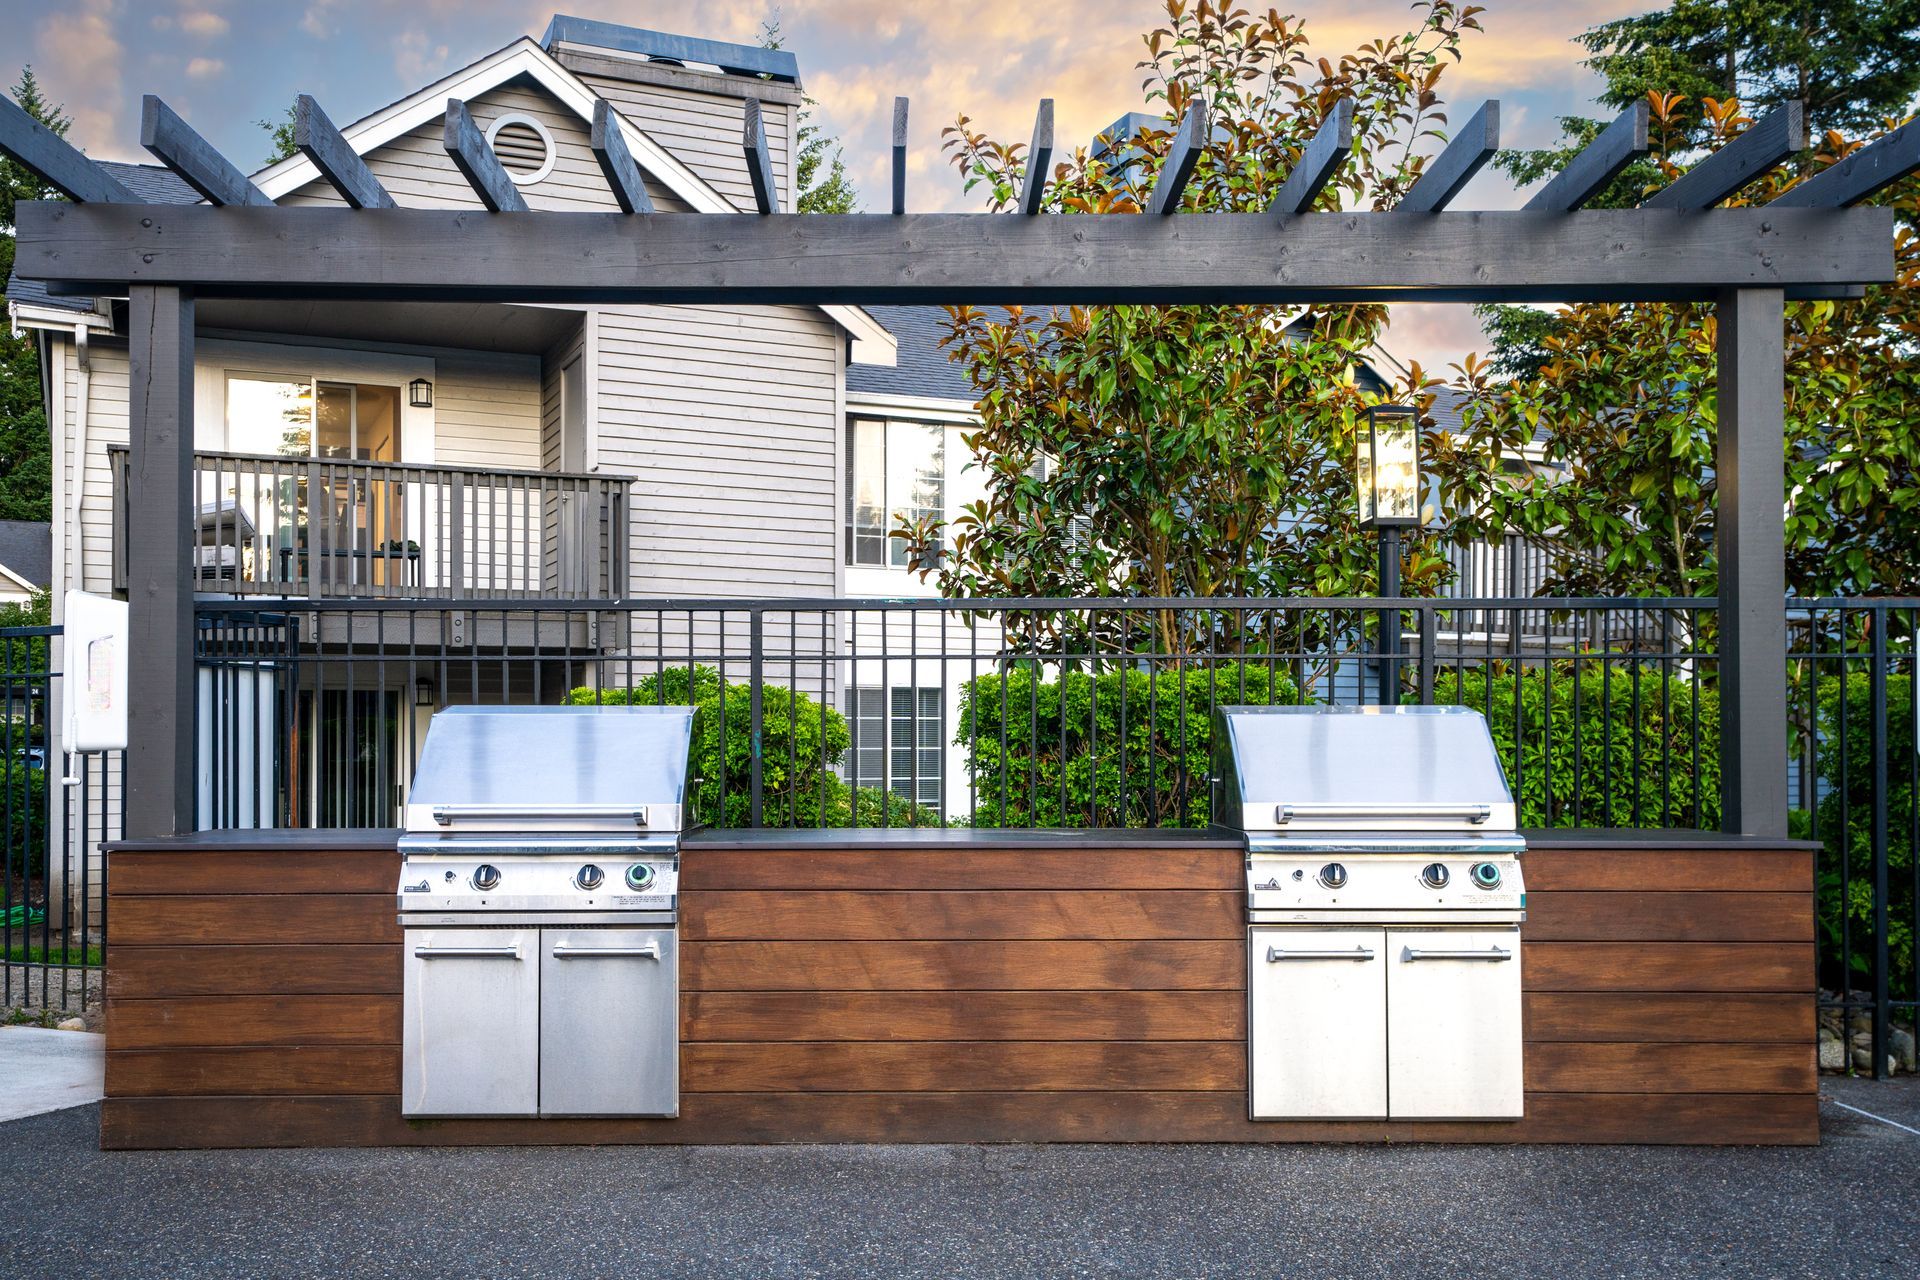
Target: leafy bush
<point x="802" y="742"/>
<point x="1627" y="759"/>
<point x="1844" y="825"/>
<point x="1051" y="753"/>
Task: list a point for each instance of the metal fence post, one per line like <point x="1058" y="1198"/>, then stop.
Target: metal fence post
<point x="1877" y="839"/>
<point x="756" y="712"/>
<point x="1429" y="640"/>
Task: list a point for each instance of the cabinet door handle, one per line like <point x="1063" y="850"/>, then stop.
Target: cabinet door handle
<point x="564" y="952"/>
<point x="1357" y="953"/>
<point x="467" y="953"/>
<point x="1491" y="953"/>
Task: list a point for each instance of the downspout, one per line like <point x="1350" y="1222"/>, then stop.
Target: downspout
<point x="77" y="471"/>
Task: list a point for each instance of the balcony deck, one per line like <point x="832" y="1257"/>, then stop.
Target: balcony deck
<point x="336" y="528"/>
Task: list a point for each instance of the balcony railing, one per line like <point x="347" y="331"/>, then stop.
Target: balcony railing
<point x="341" y="528"/>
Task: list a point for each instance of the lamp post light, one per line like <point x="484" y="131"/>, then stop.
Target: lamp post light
<point x="1387" y="485"/>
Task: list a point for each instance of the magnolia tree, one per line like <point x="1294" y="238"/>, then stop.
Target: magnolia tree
<point x="1629" y="394"/>
<point x="1186" y="450"/>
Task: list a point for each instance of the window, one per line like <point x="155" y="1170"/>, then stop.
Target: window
<point x="894" y="470"/>
<point x="896" y="731"/>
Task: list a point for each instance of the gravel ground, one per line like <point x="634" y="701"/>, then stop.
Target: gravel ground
<point x="1850" y="1207"/>
<point x="45" y="994"/>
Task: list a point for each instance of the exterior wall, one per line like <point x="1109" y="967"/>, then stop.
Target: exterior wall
<point x="703" y="131"/>
<point x="415" y="170"/>
<point x="956" y="987"/>
<point x="487" y="411"/>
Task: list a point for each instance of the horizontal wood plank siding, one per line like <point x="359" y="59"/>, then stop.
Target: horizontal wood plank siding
<point x="916" y="992"/>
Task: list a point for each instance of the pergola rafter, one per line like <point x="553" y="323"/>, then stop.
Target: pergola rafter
<point x="1675" y="247"/>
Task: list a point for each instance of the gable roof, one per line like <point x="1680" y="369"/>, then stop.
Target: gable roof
<point x="524" y="57"/>
<point x="26" y="551"/>
<point x="150" y="183"/>
<point x="920" y="369"/>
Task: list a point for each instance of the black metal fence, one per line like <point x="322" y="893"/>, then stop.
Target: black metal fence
<point x="57" y="811"/>
<point x="1050" y="713"/>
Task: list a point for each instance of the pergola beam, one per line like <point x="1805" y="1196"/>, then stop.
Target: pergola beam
<point x="1033" y="183"/>
<point x="54" y="160"/>
<point x="1598" y="163"/>
<point x="1331" y="145"/>
<point x="174" y="143"/>
<point x="474" y="158"/>
<point x="1867" y="171"/>
<point x="899" y="155"/>
<point x="753" y="142"/>
<point x="1454" y="167"/>
<point x="1773" y="140"/>
<point x="859" y="259"/>
<point x="1182" y="155"/>
<point x="609" y="148"/>
<point x="335" y="158"/>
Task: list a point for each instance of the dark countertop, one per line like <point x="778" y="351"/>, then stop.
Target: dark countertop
<point x="299" y="838"/>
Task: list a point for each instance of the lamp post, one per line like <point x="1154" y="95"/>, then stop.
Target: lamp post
<point x="1387" y="485"/>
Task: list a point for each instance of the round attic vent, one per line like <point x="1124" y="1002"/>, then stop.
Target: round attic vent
<point x="524" y="146"/>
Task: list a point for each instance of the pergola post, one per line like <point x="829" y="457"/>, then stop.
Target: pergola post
<point x="160" y="571"/>
<point x="1750" y="538"/>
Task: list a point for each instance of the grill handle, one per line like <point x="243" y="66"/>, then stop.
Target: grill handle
<point x="447" y="814"/>
<point x="651" y="951"/>
<point x="1491" y="953"/>
<point x="1276" y="954"/>
<point x="467" y="953"/>
<point x="1474" y="813"/>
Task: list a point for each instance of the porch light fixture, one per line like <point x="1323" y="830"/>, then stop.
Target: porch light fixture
<point x="420" y="393"/>
<point x="1387" y="467"/>
<point x="424" y="694"/>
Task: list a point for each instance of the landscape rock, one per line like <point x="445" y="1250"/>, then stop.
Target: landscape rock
<point x="1833" y="1053"/>
<point x="1900" y="1047"/>
<point x="71" y="1024"/>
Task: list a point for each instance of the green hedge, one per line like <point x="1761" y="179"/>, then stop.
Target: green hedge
<point x="802" y="743"/>
<point x="1845" y="829"/>
<point x="1031" y="739"/>
<point x="1627" y="760"/>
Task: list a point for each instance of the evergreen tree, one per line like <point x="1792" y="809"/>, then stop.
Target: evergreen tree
<point x="831" y="191"/>
<point x="26" y="455"/>
<point x="281" y="133"/>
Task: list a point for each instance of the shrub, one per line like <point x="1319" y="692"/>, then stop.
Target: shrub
<point x="802" y="742"/>
<point x="1844" y="825"/>
<point x="1051" y="753"/>
<point x="1633" y="756"/>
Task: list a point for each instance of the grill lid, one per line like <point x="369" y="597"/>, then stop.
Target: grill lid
<point x="1350" y="769"/>
<point x="577" y="769"/>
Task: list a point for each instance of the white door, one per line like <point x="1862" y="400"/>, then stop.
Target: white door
<point x="1317" y="1023"/>
<point x="471" y="1035"/>
<point x="1453" y="1024"/>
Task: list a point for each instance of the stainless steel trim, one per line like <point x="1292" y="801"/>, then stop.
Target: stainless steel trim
<point x="488" y="918"/>
<point x="1279" y="953"/>
<point x="1474" y="813"/>
<point x="446" y="814"/>
<point x="1491" y="953"/>
<point x="467" y="953"/>
<point x="649" y="952"/>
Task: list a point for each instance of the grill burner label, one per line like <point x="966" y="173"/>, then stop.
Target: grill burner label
<point x="422" y="887"/>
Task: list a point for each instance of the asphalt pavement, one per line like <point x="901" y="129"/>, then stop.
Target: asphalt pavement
<point x="1848" y="1208"/>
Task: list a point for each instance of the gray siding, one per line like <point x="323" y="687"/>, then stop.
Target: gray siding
<point x="415" y="169"/>
<point x="486" y="411"/>
<point x="703" y="132"/>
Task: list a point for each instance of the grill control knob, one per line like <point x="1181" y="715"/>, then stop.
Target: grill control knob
<point x="639" y="876"/>
<point x="589" y="877"/>
<point x="1333" y="876"/>
<point x="1486" y="876"/>
<point x="486" y="877"/>
<point x="1434" y="875"/>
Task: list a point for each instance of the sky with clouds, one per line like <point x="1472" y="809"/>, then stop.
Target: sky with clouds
<point x="224" y="64"/>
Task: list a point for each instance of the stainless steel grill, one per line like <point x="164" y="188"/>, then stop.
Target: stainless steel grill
<point x="539" y="899"/>
<point x="1384" y="902"/>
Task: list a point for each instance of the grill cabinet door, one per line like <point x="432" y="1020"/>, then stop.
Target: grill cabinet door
<point x="609" y="1022"/>
<point x="1317" y="1024"/>
<point x="1453" y="1033"/>
<point x="471" y="1042"/>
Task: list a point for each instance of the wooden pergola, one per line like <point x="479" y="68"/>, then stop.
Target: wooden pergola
<point x="1811" y="242"/>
